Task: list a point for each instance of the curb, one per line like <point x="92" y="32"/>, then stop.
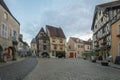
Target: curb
<point x="23" y="78"/>
<point x="109" y="65"/>
<point x="10" y="62"/>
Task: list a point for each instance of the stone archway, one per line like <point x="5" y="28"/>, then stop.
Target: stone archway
<point x="45" y="55"/>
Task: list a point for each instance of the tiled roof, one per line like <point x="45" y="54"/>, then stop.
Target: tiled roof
<point x="33" y="40"/>
<point x="2" y="3"/>
<point x="55" y="32"/>
<point x="110" y="4"/>
<point x="45" y="36"/>
<point x="77" y="40"/>
<point x="88" y="42"/>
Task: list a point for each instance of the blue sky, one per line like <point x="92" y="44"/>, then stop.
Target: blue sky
<point x="73" y="16"/>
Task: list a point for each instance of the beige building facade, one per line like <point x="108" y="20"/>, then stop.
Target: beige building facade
<point x="88" y="46"/>
<point x="75" y="48"/>
<point x="57" y="41"/>
<point x="9" y="26"/>
<point x="115" y="39"/>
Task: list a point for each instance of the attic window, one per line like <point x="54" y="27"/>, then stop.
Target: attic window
<point x="61" y="41"/>
<point x="53" y="40"/>
<point x="5" y="15"/>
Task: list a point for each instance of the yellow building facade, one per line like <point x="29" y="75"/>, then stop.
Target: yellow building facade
<point x="115" y="39"/>
<point x="57" y="41"/>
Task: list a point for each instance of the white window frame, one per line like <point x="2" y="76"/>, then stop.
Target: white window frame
<point x="4" y="32"/>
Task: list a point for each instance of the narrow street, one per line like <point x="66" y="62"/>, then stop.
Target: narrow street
<point x="18" y="70"/>
<point x="72" y="69"/>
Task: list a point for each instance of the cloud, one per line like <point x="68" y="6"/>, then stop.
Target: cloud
<point x="27" y="37"/>
<point x="13" y="1"/>
<point x="73" y="16"/>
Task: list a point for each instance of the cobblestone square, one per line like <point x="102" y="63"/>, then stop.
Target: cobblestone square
<point x="72" y="69"/>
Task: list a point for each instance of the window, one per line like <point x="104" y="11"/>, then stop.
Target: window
<point x="44" y="47"/>
<point x="88" y="47"/>
<point x="5" y="15"/>
<point x="96" y="26"/>
<point x="78" y="46"/>
<point x="53" y="53"/>
<point x="102" y="19"/>
<point x="11" y="33"/>
<point x="103" y="30"/>
<point x="81" y="46"/>
<point x="4" y="30"/>
<point x="55" y="47"/>
<point x="53" y="40"/>
<point x="61" y="47"/>
<point x="69" y="47"/>
<point x="61" y="41"/>
<point x="44" y="41"/>
<point x="119" y="29"/>
<point x="100" y="13"/>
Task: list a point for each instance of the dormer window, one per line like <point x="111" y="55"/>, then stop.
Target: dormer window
<point x="61" y="41"/>
<point x="53" y="40"/>
<point x="5" y="15"/>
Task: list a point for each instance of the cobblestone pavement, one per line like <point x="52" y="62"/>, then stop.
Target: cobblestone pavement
<point x="72" y="69"/>
<point x="18" y="70"/>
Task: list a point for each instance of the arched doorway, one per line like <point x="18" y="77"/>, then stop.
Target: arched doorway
<point x="71" y="55"/>
<point x="45" y="55"/>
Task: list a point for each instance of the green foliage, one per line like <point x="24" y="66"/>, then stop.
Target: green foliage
<point x="88" y="54"/>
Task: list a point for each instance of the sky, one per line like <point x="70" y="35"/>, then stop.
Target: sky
<point x="73" y="16"/>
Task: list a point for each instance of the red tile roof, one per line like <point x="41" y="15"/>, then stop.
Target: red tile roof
<point x="77" y="40"/>
<point x="55" y="31"/>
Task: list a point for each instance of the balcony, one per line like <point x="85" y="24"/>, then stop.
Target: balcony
<point x="14" y="40"/>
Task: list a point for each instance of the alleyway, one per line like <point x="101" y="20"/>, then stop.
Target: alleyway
<point x="72" y="69"/>
<point x="18" y="70"/>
